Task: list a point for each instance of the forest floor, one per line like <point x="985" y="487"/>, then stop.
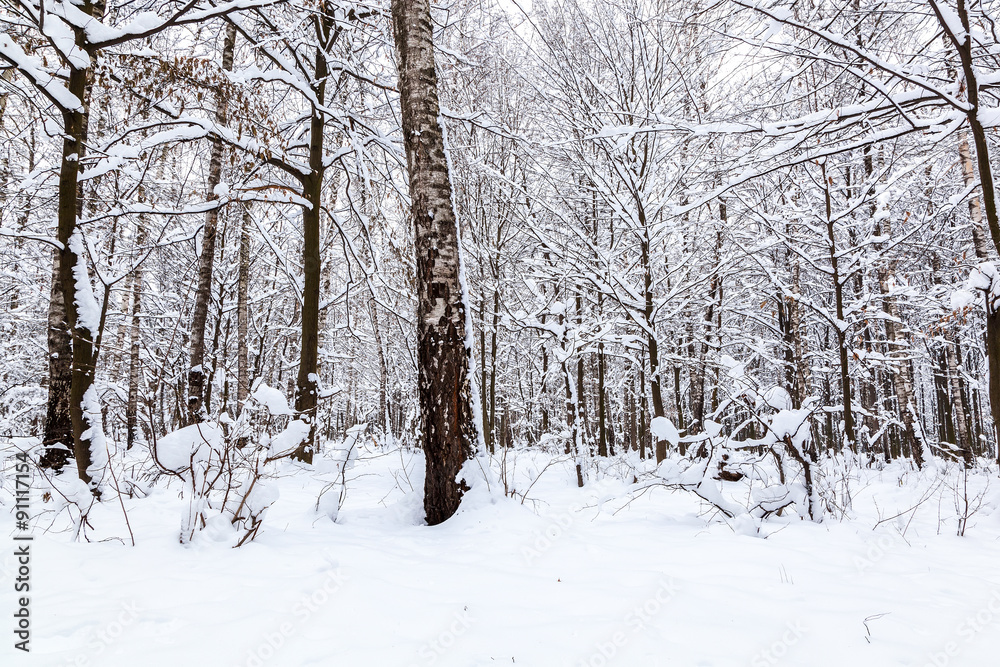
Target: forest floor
<point x="559" y="576"/>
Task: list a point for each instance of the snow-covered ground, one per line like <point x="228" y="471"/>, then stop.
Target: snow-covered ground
<point x="593" y="576"/>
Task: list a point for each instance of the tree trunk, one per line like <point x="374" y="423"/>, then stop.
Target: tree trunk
<point x="70" y="342"/>
<point x="602" y="416"/>
<point x="803" y="374"/>
<point x="492" y="427"/>
<point x="484" y="385"/>
<point x="651" y="343"/>
<point x="963" y="45"/>
<point x="58" y="437"/>
<point x="243" y="314"/>
<point x="306" y="385"/>
<point x="902" y="378"/>
<point x="701" y="369"/>
<point x="197" y="408"/>
<point x="979" y="242"/>
<point x="72" y="267"/>
<point x="841" y="332"/>
<point x="307" y="382"/>
<point x="132" y="406"/>
<point x="448" y="427"/>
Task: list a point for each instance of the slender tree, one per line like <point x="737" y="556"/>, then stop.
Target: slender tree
<point x="448" y="429"/>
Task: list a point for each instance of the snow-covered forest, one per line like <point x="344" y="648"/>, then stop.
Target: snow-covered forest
<point x="557" y="332"/>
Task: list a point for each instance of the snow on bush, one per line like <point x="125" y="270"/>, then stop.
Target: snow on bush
<point x="664" y="429"/>
<point x="226" y="482"/>
<point x="272" y="399"/>
<point x="285" y="442"/>
<point x="177" y="451"/>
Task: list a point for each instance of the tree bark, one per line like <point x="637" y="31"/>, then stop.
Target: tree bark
<point x="841" y="332"/>
<point x="197" y="407"/>
<point x="132" y="405"/>
<point x="963" y="45"/>
<point x="243" y="314"/>
<point x="70" y="346"/>
<point x="652" y="347"/>
<point x="448" y="428"/>
<point x="58" y="437"/>
<point x="72" y="267"/>
<point x="307" y="382"/>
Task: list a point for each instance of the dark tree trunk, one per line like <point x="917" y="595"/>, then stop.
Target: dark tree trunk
<point x="307" y="382"/>
<point x="73" y="266"/>
<point x="602" y="410"/>
<point x="196" y="403"/>
<point x="963" y="45"/>
<point x="71" y="370"/>
<point x="655" y="384"/>
<point x="840" y="333"/>
<point x="448" y="428"/>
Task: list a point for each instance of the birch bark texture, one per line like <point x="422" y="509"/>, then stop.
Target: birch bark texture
<point x="448" y="426"/>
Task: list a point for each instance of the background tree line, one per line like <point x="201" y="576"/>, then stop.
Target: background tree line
<point x="691" y="211"/>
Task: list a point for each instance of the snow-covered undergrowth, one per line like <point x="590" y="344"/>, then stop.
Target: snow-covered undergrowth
<point x="633" y="569"/>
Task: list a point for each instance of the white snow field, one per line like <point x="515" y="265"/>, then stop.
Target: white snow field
<point x="594" y="576"/>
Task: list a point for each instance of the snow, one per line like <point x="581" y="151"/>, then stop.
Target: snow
<point x="984" y="278"/>
<point x="272" y="399"/>
<point x="664" y="429"/>
<point x="567" y="578"/>
<point x="293" y="435"/>
<point x="95" y="434"/>
<point x="793" y="424"/>
<point x="32" y="67"/>
<point x="262" y="496"/>
<point x="962" y="298"/>
<point x="778" y="398"/>
<point x="88" y="311"/>
<point x="950" y="20"/>
<point x="175" y="451"/>
<point x="62" y="38"/>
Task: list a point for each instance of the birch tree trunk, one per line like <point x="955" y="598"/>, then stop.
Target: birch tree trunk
<point x="979" y="241"/>
<point x="243" y="314"/>
<point x="58" y="437"/>
<point x="448" y="428"/>
<point x="132" y="404"/>
<point x="803" y="374"/>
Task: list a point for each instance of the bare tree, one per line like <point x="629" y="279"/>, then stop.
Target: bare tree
<point x="448" y="429"/>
